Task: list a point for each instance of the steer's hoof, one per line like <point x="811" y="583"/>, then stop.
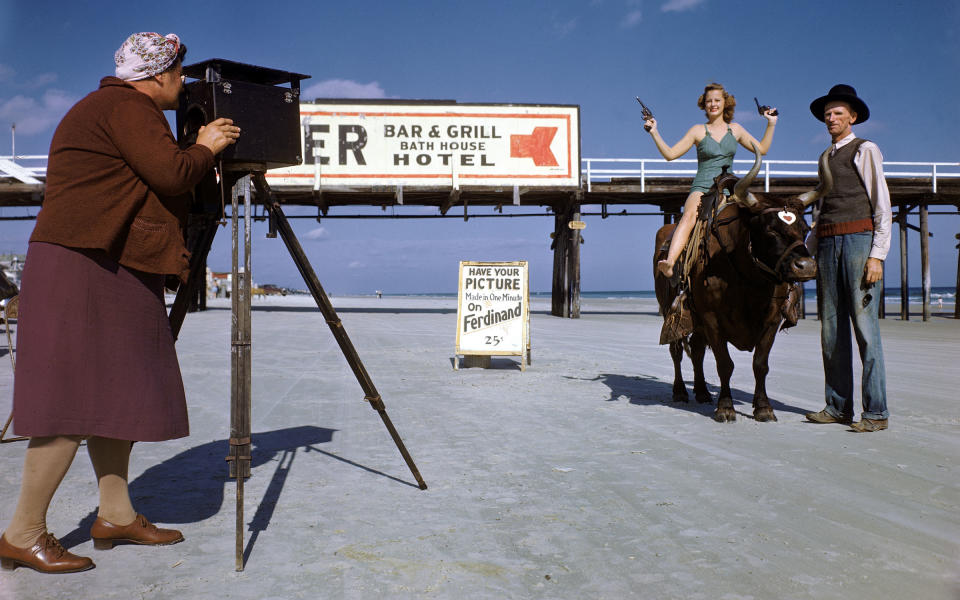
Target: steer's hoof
<point x="704" y="397"/>
<point x="764" y="415"/>
<point x="725" y="416"/>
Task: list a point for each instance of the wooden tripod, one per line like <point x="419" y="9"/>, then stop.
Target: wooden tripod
<point x="240" y="447"/>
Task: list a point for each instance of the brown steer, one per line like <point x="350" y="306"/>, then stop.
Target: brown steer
<point x="738" y="290"/>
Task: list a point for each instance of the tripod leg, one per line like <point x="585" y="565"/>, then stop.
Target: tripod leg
<point x="4" y="432"/>
<point x="333" y="320"/>
<point x="13" y="363"/>
<point x="240" y="346"/>
<point x="198" y="258"/>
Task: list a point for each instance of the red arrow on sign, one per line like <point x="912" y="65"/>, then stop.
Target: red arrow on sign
<point x="535" y="146"/>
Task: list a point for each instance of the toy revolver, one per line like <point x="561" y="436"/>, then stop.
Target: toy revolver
<point x="647" y="113"/>
<point x="764" y="108"/>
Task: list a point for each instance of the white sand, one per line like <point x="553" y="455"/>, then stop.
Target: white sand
<point x="576" y="479"/>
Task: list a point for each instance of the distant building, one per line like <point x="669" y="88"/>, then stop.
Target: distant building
<point x="219" y="285"/>
<point x="12" y="266"/>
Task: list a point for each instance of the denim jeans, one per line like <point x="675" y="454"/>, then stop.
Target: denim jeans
<point x="845" y="299"/>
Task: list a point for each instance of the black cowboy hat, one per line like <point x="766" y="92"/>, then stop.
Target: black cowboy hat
<point x="841" y="93"/>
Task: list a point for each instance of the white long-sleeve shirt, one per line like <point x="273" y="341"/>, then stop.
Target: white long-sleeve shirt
<point x="869" y="162"/>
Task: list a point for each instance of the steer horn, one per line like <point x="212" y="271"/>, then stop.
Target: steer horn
<point x="740" y="193"/>
<point x="826" y="182"/>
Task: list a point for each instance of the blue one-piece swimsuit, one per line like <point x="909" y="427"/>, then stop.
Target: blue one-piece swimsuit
<point x="712" y="156"/>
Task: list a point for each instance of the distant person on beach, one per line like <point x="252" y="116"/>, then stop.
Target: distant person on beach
<point x="716" y="142"/>
<point x="95" y="358"/>
<point x="852" y="226"/>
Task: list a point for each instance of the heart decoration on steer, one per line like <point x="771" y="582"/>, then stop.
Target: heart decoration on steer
<point x="787" y="217"/>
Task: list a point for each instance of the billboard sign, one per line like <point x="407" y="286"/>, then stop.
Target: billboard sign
<point x="435" y="145"/>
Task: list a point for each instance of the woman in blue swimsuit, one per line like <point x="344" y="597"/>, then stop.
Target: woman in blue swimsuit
<point x="716" y="142"/>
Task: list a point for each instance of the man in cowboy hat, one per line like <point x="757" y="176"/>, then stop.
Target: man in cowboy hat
<point x="853" y="238"/>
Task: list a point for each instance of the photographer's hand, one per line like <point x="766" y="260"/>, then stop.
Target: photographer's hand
<point x="217" y="135"/>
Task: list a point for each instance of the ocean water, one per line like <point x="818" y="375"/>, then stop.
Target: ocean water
<point x="948" y="294"/>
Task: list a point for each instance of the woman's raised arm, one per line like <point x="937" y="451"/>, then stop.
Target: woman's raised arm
<point x="746" y="140"/>
<point x="678" y="149"/>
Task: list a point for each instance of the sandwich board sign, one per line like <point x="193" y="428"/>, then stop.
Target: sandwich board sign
<point x="493" y="311"/>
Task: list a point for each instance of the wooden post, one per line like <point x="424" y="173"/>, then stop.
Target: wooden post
<point x="573" y="264"/>
<point x="904" y="285"/>
<point x="558" y="296"/>
<point x="565" y="301"/>
<point x="925" y="258"/>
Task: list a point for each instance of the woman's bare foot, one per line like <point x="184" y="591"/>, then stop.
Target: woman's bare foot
<point x="665" y="268"/>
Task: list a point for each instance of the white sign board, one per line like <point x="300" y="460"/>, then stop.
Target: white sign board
<point x="493" y="309"/>
<point x="439" y="144"/>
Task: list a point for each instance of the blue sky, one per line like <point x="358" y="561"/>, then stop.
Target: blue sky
<point x="902" y="57"/>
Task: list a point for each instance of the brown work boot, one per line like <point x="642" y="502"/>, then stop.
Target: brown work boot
<point x="45" y="556"/>
<point x="141" y="531"/>
<point x="865" y="425"/>
<point x="824" y="417"/>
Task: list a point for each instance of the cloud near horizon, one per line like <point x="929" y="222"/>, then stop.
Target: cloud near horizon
<point x="342" y="88"/>
<point x="318" y="233"/>
<point x="36" y="115"/>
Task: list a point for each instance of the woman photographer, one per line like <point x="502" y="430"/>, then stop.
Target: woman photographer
<point x="96" y="359"/>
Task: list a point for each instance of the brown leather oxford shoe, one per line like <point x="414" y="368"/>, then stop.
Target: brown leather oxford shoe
<point x="141" y="531"/>
<point x="46" y="556"/>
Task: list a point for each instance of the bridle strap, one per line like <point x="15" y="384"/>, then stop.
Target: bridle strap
<point x="775" y="271"/>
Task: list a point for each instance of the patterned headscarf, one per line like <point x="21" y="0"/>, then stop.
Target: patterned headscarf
<point x="146" y="54"/>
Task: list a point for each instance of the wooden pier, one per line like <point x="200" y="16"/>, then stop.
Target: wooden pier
<point x="604" y="191"/>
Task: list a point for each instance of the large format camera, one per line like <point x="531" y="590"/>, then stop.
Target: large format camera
<point x="267" y="114"/>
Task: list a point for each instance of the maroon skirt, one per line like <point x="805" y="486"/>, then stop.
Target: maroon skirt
<point x="95" y="352"/>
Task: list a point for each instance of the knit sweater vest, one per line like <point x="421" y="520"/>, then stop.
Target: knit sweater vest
<point x="847" y="201"/>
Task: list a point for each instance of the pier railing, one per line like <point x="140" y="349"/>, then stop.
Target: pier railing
<point x="597" y="170"/>
<point x="25" y="168"/>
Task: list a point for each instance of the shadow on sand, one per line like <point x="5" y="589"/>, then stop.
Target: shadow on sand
<point x="496" y="364"/>
<point x="646" y="390"/>
<point x="190" y="487"/>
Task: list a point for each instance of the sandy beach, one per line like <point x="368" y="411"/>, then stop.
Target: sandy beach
<point x="576" y="479"/>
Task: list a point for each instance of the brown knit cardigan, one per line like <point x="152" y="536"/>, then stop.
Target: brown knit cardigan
<point x="117" y="181"/>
